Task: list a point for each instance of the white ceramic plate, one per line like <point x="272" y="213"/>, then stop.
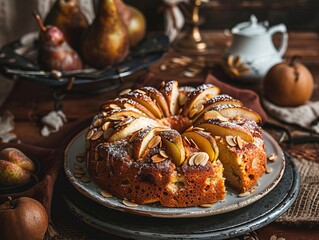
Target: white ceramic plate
<point x="233" y="201"/>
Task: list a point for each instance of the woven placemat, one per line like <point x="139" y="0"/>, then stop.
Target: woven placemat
<point x="305" y="210"/>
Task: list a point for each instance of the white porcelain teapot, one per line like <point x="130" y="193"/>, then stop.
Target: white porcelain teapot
<point x="252" y="52"/>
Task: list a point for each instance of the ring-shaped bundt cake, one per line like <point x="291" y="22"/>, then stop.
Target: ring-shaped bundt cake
<point x="175" y="145"/>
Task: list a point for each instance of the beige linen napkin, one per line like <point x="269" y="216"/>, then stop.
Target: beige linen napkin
<point x="303" y="116"/>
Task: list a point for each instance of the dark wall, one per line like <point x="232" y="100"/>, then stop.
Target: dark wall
<point x="223" y="14"/>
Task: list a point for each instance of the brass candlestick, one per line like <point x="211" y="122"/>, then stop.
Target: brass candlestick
<point x="192" y="41"/>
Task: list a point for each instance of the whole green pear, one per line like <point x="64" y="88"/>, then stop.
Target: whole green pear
<point x="106" y="41"/>
<point x="12" y="174"/>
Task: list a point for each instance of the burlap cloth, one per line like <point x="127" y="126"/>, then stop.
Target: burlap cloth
<point x="51" y="155"/>
<point x="306" y="208"/>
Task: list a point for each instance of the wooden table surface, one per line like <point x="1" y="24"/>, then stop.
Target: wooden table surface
<point x="28" y="100"/>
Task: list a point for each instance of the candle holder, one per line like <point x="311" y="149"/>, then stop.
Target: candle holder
<point x="192" y="41"/>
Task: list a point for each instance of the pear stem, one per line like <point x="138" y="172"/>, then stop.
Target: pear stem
<point x="292" y="63"/>
<point x="39" y="21"/>
<point x="10" y="202"/>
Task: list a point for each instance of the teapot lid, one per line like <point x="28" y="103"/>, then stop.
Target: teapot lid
<point x="250" y="28"/>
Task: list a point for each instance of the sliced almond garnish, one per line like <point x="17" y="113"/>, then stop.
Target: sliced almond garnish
<point x="201" y="158"/>
<point x="77" y="166"/>
<point x="272" y="157"/>
<point x="85" y="179"/>
<point x="230" y="141"/>
<point x="189" y="129"/>
<point x="103" y="113"/>
<point x="207" y="205"/>
<point x="105" y="126"/>
<point x="222" y="118"/>
<point x="140" y="91"/>
<point x="97" y="122"/>
<point x="158" y="158"/>
<point x="188" y="74"/>
<point x="269" y="170"/>
<point x="106" y="194"/>
<point x="116" y="118"/>
<point x="198" y="129"/>
<point x="252" y="190"/>
<point x="128" y="106"/>
<point x="191" y="160"/>
<point x="240" y="142"/>
<point x="107" y="133"/>
<point x="193" y="112"/>
<point x="114" y="106"/>
<point x="78" y="175"/>
<point x="163" y="67"/>
<point x="129" y="204"/>
<point x="164" y="154"/>
<point x="200" y="107"/>
<point x="125" y="121"/>
<point x="244" y="194"/>
<point x="211" y="114"/>
<point x="97" y="135"/>
<point x="187" y="141"/>
<point x="125" y="91"/>
<point x="90" y="134"/>
<point x="154" y="142"/>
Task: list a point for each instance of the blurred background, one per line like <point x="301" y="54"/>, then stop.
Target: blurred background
<point x="298" y="15"/>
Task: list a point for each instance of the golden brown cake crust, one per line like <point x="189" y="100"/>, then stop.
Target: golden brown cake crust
<point x="142" y="163"/>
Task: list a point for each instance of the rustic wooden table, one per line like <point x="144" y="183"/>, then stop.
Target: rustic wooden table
<point x="28" y="100"/>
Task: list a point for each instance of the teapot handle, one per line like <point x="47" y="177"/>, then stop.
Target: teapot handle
<point x="281" y="28"/>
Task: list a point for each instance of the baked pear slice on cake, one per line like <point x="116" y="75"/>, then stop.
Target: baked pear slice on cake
<point x="184" y="91"/>
<point x="204" y="141"/>
<point x="141" y="97"/>
<point x="233" y="111"/>
<point x="171" y="94"/>
<point x="158" y="98"/>
<point x="126" y="128"/>
<point x="218" y="100"/>
<point x="197" y="98"/>
<point x="121" y="114"/>
<point x="125" y="103"/>
<point x="226" y="128"/>
<point x="144" y="139"/>
<point x="173" y="143"/>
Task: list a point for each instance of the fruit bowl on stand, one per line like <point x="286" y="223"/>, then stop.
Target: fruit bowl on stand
<point x="18" y="60"/>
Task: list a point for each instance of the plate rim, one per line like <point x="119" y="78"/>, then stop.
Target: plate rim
<point x="204" y="212"/>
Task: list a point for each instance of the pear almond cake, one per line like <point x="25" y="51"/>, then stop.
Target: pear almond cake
<point x="175" y="145"/>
